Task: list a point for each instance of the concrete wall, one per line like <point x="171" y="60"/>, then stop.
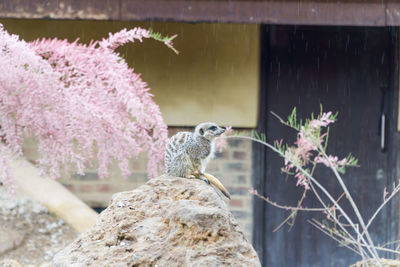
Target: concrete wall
<point x="215" y="77"/>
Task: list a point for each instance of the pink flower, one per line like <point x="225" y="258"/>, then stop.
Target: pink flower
<point x="321" y="122"/>
<point x="304" y="146"/>
<point x="170" y="44"/>
<point x="334" y="159"/>
<point x="302" y="180"/>
<point x="308" y="143"/>
<point x="253" y="191"/>
<point x="83" y="104"/>
<point x="122" y="37"/>
<point x="221" y="142"/>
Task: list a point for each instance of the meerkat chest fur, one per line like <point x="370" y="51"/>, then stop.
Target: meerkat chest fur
<point x="201" y="151"/>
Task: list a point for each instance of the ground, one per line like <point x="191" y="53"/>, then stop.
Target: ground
<point x="29" y="234"/>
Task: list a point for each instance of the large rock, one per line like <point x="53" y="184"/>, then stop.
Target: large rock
<point x="372" y="263"/>
<point x="166" y="222"/>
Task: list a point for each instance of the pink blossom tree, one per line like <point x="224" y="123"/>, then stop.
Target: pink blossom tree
<point x="82" y="103"/>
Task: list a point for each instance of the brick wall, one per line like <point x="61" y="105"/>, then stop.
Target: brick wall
<point x="232" y="167"/>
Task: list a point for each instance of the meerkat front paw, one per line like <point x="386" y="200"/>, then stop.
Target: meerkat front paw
<point x="199" y="176"/>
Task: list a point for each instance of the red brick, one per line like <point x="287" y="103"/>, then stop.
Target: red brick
<point x="237" y="203"/>
<point x="104" y="188"/>
<point x="86" y="188"/>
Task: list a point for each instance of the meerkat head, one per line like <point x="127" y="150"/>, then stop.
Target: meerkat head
<point x="209" y="130"/>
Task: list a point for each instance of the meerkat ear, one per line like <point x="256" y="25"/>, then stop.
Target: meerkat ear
<point x="201" y="131"/>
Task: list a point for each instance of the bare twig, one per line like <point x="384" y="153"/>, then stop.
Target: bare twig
<point x="345" y="240"/>
<point x="386" y="200"/>
<point x="292" y="208"/>
<point x="336" y="220"/>
<point x="390" y="243"/>
<point x="353" y="205"/>
<point x="283" y="121"/>
<point x="318" y="226"/>
<point x="283" y="222"/>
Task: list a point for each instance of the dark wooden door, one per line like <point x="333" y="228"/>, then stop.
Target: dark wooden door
<point x="346" y="69"/>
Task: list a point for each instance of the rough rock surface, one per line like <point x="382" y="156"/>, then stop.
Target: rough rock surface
<point x="9" y="263"/>
<point x="166" y="222"/>
<point x="29" y="234"/>
<point x="372" y="263"/>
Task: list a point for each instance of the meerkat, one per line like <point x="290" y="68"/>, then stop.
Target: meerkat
<point x="187" y="154"/>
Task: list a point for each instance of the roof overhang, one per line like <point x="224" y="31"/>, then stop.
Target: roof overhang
<point x="305" y="12"/>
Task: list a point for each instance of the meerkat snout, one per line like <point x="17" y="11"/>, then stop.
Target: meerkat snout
<point x="209" y="130"/>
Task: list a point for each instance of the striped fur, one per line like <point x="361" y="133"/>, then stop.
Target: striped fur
<point x="188" y="153"/>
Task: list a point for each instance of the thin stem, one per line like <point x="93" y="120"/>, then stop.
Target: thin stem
<point x="390" y="243"/>
<point x="302" y="198"/>
<point x="379" y="248"/>
<point x="354" y="206"/>
<point x="298" y="205"/>
<point x="287" y="207"/>
<point x="283" y="122"/>
<point x="283" y="222"/>
<point x="396" y="190"/>
<point x="336" y="220"/>
<point x="319" y="227"/>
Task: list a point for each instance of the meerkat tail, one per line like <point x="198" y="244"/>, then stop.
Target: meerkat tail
<point x="217" y="184"/>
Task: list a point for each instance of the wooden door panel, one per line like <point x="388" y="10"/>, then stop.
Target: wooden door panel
<point x="346" y="69"/>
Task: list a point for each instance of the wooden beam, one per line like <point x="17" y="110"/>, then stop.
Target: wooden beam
<point x="342" y="12"/>
<point x="52" y="195"/>
<point x="63" y="9"/>
<point x="305" y="12"/>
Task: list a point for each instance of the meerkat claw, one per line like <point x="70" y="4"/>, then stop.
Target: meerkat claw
<point x="204" y="178"/>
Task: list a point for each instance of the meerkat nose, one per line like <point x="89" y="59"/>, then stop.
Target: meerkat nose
<point x="221" y="131"/>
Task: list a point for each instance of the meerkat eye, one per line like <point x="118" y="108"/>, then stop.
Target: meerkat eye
<point x="212" y="128"/>
<point x="201" y="131"/>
